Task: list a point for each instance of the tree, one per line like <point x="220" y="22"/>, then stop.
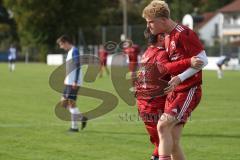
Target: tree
<point x="213" y="5"/>
<point x="7" y="28"/>
<point x="40" y="22"/>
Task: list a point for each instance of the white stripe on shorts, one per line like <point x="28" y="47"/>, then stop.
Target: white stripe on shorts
<point x="186" y="103"/>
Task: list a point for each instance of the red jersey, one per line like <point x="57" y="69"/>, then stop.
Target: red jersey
<point x="154" y="72"/>
<point x="102" y="54"/>
<point x="183" y="43"/>
<point x="132" y="53"/>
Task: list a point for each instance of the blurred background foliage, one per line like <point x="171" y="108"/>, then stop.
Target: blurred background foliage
<point x="37" y="23"/>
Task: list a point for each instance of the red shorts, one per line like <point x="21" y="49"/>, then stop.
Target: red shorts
<point x="103" y="62"/>
<point x="150" y="110"/>
<point x="181" y="104"/>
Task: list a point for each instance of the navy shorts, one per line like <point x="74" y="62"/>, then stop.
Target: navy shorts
<point x="12" y="61"/>
<point x="70" y="93"/>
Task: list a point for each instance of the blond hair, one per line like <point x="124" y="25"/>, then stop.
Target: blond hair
<point x="156" y="9"/>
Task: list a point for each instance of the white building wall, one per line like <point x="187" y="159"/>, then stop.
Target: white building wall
<point x="55" y="59"/>
<point x="208" y="30"/>
<point x="238" y="20"/>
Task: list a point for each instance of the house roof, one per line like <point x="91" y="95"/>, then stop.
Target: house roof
<point x="206" y="17"/>
<point x="231" y="7"/>
<point x="236" y="43"/>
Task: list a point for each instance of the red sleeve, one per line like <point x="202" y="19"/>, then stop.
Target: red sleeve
<point x="191" y="43"/>
<point x="172" y="67"/>
<point x="178" y="66"/>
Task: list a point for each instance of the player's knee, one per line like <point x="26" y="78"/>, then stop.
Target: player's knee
<point x="165" y="124"/>
<point x="71" y="103"/>
<point x="162" y="127"/>
<point x="64" y="103"/>
<point x="67" y="103"/>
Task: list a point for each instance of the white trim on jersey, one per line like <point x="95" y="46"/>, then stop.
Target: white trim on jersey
<point x="191" y="71"/>
<point x="179" y="28"/>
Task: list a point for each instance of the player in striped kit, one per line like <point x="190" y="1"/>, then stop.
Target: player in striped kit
<point x="72" y="82"/>
<point x="221" y="61"/>
<point x="12" y="58"/>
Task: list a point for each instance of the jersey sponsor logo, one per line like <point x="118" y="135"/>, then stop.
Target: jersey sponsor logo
<point x="175" y="57"/>
<point x="172" y="46"/>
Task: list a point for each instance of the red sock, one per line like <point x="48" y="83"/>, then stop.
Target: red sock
<point x="161" y="157"/>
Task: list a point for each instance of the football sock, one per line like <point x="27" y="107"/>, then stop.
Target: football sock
<point x="13" y="67"/>
<point x="220" y="74"/>
<point x="75" y="113"/>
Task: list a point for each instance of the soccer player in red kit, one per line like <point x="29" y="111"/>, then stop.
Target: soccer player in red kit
<point x="152" y="78"/>
<point x="132" y="51"/>
<point x="184" y="94"/>
<point x="102" y="54"/>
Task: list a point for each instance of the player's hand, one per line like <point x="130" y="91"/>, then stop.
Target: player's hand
<point x="173" y="83"/>
<point x="74" y="86"/>
<point x="196" y="63"/>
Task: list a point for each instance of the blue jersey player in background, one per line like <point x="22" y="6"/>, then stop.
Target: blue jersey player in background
<point x="72" y="82"/>
<point x="12" y="55"/>
<point x="223" y="60"/>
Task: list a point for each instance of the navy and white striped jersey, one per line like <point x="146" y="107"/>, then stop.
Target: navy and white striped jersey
<point x="73" y="68"/>
<point x="222" y="60"/>
<point x="12" y="53"/>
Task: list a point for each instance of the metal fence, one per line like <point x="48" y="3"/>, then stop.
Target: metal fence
<point x="103" y="34"/>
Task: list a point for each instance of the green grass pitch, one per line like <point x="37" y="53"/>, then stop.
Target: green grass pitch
<point x="29" y="129"/>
